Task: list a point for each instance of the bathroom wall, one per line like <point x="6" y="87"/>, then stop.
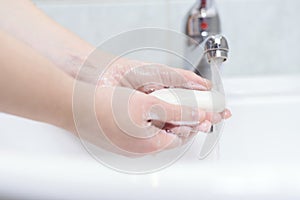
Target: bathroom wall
<point x="262" y="34"/>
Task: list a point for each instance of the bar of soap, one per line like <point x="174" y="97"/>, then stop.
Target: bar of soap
<point x="210" y="101"/>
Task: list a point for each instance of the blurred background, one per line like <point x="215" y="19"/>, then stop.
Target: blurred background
<point x="262" y="34"/>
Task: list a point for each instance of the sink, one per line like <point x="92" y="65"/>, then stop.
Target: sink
<point x="257" y="156"/>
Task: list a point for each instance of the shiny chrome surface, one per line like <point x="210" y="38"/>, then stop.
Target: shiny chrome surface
<point x="203" y="27"/>
<point x="202" y="20"/>
<point x="216" y="47"/>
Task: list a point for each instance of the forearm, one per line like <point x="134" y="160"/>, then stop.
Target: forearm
<point x="27" y="23"/>
<point x="32" y="87"/>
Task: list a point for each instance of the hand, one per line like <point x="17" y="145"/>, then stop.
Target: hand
<point x="133" y="122"/>
<point x="50" y="98"/>
<point x="136" y="123"/>
<point x="148" y="77"/>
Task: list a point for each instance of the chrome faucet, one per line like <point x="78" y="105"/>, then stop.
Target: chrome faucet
<point x="203" y="28"/>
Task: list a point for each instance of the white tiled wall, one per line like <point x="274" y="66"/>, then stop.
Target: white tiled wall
<point x="263" y="34"/>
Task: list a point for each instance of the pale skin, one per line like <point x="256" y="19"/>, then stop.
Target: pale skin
<point x="37" y="79"/>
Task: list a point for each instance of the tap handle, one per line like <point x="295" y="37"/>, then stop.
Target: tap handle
<point x="202" y="21"/>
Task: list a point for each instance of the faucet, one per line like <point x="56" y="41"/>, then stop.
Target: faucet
<point x="203" y="28"/>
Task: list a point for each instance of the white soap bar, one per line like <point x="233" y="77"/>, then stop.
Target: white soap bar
<point x="210" y="101"/>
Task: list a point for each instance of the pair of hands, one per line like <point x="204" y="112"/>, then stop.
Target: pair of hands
<point x="134" y="122"/>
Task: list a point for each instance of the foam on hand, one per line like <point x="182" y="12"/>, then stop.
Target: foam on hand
<point x="210" y="101"/>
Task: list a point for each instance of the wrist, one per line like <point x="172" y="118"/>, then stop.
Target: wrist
<point x="74" y="58"/>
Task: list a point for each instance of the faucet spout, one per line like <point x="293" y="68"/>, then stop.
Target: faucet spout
<point x="216" y="47"/>
<point x="203" y="28"/>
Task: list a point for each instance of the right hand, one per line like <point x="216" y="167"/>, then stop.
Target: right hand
<point x="133" y="123"/>
<point x="136" y="123"/>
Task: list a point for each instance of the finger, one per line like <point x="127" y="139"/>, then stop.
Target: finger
<point x="193" y="133"/>
<point x="214" y="117"/>
<point x="226" y="114"/>
<point x="204" y="126"/>
<point x="182" y="131"/>
<point x="151" y="88"/>
<point x="180" y="78"/>
<point x="163" y="76"/>
<point x="187" y="134"/>
<point x="195" y="80"/>
<point x="135" y="147"/>
<point x="218" y="117"/>
<point x="163" y="141"/>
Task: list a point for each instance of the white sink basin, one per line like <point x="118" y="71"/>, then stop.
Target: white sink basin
<point x="258" y="156"/>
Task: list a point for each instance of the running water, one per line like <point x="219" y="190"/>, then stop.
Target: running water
<point x="215" y="66"/>
<point x="211" y="139"/>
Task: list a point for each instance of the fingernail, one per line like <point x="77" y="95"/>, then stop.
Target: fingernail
<point x="226" y="114"/>
<point x="205" y="126"/>
<point x="196" y="86"/>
